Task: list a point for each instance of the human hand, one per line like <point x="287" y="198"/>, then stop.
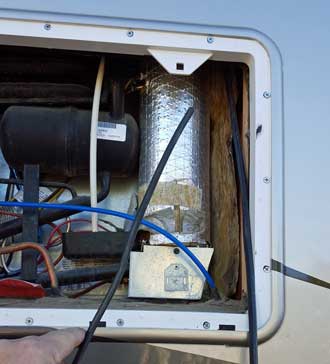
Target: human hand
<point x="51" y="348"/>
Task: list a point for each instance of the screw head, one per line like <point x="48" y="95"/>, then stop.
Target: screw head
<point x="267" y="94"/>
<point x="120" y="322"/>
<point x="29" y="321"/>
<point x="206" y="325"/>
<point x="266" y="268"/>
<point x="47" y="26"/>
<point x="176" y="251"/>
<point x="210" y="39"/>
<point x="266" y="180"/>
<point x="130" y="33"/>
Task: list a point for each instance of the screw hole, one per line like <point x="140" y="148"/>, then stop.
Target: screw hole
<point x="176" y="251"/>
<point x="206" y="325"/>
<point x="259" y="129"/>
<point x="120" y="322"/>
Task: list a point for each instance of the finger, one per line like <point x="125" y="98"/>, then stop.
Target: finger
<point x="60" y="343"/>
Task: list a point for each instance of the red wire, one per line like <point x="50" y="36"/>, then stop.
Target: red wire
<point x="58" y="259"/>
<point x="57" y="240"/>
<point x="56" y="229"/>
<point x="9" y="213"/>
<point x="88" y="289"/>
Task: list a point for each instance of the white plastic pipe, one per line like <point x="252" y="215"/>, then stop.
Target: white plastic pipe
<point x="93" y="141"/>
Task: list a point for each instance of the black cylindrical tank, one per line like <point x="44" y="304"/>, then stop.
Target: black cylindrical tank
<point x="58" y="140"/>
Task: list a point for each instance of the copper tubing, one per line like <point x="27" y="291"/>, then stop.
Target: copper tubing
<point x="56" y="261"/>
<point x="49" y="264"/>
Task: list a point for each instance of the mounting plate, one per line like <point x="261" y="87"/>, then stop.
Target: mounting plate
<point x="177" y="62"/>
<point x="167" y="272"/>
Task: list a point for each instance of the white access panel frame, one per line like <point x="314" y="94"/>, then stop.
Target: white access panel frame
<point x="182" y="326"/>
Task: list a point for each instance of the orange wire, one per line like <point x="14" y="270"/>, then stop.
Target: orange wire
<point x="56" y="261"/>
<point x="23" y="246"/>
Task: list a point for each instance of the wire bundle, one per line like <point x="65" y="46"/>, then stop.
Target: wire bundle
<point x="137" y="220"/>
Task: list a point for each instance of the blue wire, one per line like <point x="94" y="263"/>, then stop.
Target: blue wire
<point x="122" y="215"/>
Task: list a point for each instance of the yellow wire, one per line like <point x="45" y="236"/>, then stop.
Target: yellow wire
<point x="56" y="195"/>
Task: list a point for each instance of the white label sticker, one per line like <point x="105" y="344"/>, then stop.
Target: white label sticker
<point x="111" y="131"/>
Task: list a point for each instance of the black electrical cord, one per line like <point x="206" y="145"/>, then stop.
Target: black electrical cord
<point x="9" y="189"/>
<point x="131" y="238"/>
<point x="248" y="246"/>
<point x="14" y="227"/>
<point x="13" y="174"/>
<point x="9" y="195"/>
<point x="80" y="275"/>
<point x="19" y="182"/>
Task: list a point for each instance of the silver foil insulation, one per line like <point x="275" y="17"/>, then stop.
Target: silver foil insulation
<point x="180" y="203"/>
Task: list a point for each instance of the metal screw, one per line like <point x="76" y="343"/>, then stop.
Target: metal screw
<point x="206" y="325"/>
<point x="120" y="322"/>
<point x="266" y="268"/>
<point x="259" y="129"/>
<point x="130" y="33"/>
<point x="267" y="94"/>
<point x="210" y="40"/>
<point x="29" y="321"/>
<point x="47" y="26"/>
<point x="266" y="180"/>
<point x="176" y="251"/>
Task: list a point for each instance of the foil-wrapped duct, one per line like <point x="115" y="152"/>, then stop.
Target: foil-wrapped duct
<point x="180" y="203"/>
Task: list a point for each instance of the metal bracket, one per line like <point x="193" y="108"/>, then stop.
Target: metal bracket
<point x="30" y="221"/>
<point x="167" y="272"/>
<point x="178" y="62"/>
<point x="176" y="278"/>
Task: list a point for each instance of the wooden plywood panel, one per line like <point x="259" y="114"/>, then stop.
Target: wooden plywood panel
<point x="225" y="234"/>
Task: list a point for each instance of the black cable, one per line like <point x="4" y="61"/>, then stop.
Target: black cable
<point x="248" y="246"/>
<point x="9" y="188"/>
<point x="14" y="227"/>
<point x="19" y="182"/>
<point x="8" y="197"/>
<point x="131" y="238"/>
<point x="14" y="175"/>
<point x="80" y="275"/>
<point x="12" y="274"/>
